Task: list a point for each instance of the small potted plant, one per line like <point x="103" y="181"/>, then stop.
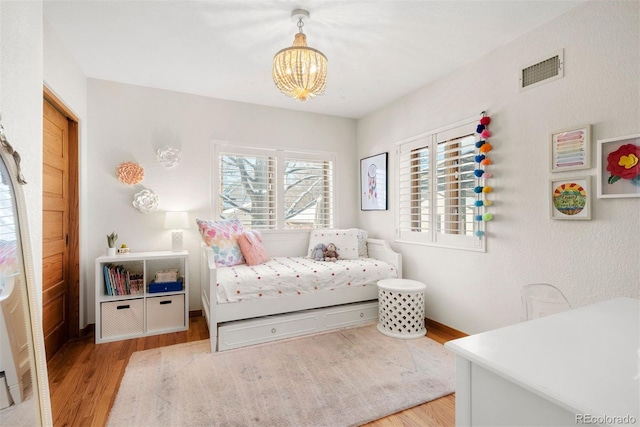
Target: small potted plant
<point x="111" y="241"/>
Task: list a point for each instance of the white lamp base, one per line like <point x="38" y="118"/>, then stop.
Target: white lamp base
<point x="176" y="241"/>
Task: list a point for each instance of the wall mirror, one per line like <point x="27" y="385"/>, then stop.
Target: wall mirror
<point x="24" y="387"/>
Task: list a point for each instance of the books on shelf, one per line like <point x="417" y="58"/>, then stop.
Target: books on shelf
<point x="119" y="281"/>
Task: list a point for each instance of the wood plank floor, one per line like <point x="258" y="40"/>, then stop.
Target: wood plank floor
<point x="84" y="379"/>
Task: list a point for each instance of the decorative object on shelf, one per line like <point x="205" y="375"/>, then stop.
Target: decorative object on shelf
<point x="124" y="249"/>
<point x="145" y="201"/>
<point x="168" y="156"/>
<point x="481" y="175"/>
<point x="111" y="242"/>
<point x="570" y="149"/>
<point x="130" y="173"/>
<point x="300" y="71"/>
<point x="373" y="183"/>
<point x="619" y="167"/>
<point x="571" y="198"/>
<point x="176" y="221"/>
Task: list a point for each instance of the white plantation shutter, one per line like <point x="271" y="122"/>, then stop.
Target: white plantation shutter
<point x="308" y="193"/>
<point x="454" y="195"/>
<point x="248" y="189"/>
<point x="414" y="195"/>
<point x="274" y="189"/>
<point x="435" y="188"/>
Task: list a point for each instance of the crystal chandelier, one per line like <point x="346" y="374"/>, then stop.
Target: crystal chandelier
<point x="300" y="71"/>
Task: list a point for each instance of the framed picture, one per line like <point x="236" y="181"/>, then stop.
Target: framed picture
<point x="571" y="198"/>
<point x="619" y="167"/>
<point x="571" y="149"/>
<point x="373" y="183"/>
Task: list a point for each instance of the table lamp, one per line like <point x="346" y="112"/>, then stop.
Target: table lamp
<point x="176" y="221"/>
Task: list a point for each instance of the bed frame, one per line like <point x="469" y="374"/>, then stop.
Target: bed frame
<point x="293" y="309"/>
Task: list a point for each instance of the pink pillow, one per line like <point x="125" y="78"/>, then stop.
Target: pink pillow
<point x="252" y="249"/>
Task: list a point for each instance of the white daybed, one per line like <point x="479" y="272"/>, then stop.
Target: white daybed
<point x="257" y="320"/>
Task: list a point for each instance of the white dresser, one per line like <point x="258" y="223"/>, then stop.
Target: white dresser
<point x="578" y="367"/>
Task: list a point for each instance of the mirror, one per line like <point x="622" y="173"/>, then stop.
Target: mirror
<point x="24" y="387"/>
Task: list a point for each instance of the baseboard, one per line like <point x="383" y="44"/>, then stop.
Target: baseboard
<point x="195" y="313"/>
<point x="87" y="330"/>
<point x="444" y="329"/>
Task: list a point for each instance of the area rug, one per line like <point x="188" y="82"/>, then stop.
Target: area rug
<point x="341" y="378"/>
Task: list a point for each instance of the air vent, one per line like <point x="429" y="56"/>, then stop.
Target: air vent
<point x="544" y="71"/>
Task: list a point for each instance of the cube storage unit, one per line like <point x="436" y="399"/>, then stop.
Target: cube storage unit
<point x="129" y="302"/>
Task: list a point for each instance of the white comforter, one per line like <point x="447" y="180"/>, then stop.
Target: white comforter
<point x="296" y="275"/>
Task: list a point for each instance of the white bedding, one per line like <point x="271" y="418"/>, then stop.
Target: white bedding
<point x="295" y="276"/>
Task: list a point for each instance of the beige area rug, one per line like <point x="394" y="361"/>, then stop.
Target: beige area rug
<point x="341" y="378"/>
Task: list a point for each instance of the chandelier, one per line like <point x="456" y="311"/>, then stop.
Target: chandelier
<point x="300" y="71"/>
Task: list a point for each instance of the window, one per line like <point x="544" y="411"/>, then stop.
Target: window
<point x="436" y="188"/>
<point x="274" y="189"/>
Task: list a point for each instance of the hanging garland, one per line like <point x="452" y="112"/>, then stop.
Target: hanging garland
<point x="482" y="161"/>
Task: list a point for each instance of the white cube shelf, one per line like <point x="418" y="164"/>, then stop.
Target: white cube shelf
<point x="126" y="311"/>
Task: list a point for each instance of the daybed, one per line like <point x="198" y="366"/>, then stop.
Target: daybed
<point x="242" y="308"/>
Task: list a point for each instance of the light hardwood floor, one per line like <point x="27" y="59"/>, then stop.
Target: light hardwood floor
<point x="84" y="379"/>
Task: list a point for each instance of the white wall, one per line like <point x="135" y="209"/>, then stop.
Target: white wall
<point x="21" y="106"/>
<point x="589" y="260"/>
<point x="129" y="123"/>
<point x="65" y="79"/>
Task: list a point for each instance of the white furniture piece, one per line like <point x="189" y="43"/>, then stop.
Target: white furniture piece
<point x="401" y="308"/>
<point x="288" y="316"/>
<point x="576" y="367"/>
<point x="145" y="313"/>
<point x="14" y="345"/>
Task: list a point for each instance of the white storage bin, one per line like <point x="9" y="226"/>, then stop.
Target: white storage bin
<point x="165" y="312"/>
<point x="122" y="318"/>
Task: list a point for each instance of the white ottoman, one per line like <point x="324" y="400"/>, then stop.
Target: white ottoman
<point x="401" y="308"/>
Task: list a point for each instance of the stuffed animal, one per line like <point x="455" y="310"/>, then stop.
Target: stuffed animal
<point x="318" y="252"/>
<point x="330" y="253"/>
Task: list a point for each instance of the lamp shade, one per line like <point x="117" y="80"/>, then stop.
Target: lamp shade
<point x="176" y="220"/>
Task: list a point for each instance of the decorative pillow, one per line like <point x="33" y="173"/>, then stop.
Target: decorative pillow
<point x="362" y="243"/>
<point x="252" y="249"/>
<point x="222" y="236"/>
<point x="346" y="241"/>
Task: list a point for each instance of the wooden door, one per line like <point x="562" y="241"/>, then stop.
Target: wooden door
<point x="55" y="229"/>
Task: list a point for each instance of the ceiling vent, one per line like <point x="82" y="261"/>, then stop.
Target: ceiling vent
<point x="542" y="71"/>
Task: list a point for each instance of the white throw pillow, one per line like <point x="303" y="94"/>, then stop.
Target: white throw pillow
<point x="346" y="241"/>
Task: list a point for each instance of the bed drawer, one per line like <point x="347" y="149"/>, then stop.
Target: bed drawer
<point x="349" y="315"/>
<point x="271" y="328"/>
<point x="265" y="329"/>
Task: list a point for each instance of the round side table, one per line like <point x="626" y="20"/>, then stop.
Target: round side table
<point x="401" y="308"/>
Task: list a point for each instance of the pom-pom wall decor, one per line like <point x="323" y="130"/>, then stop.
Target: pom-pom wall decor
<point x="145" y="201"/>
<point x="481" y="188"/>
<point x="130" y="173"/>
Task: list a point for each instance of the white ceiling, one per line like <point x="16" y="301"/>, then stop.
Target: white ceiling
<point x="378" y="50"/>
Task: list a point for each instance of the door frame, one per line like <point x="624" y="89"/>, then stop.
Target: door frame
<point x="73" y="309"/>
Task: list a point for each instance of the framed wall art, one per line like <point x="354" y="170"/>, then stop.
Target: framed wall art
<point x="571" y="198"/>
<point x="619" y="167"/>
<point x="373" y="183"/>
<point x="571" y="149"/>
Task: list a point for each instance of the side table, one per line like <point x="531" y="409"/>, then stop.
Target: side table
<point x="401" y="308"/>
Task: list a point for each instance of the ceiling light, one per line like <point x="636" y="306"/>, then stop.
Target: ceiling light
<point x="300" y="71"/>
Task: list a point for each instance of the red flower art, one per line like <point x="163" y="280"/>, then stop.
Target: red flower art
<point x="624" y="163"/>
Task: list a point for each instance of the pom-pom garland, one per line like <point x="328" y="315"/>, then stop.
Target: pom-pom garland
<point x="481" y="175"/>
<point x="485" y="148"/>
